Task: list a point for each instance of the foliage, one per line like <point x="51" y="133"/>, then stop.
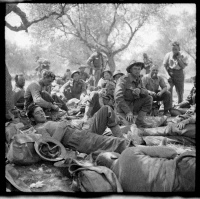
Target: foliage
<point x="71" y="32"/>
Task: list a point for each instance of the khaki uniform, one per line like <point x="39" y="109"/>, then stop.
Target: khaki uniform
<point x="73" y="89"/>
<point x="125" y="100"/>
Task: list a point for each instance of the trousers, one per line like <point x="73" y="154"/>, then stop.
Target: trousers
<point x="53" y="98"/>
<point x="177" y="80"/>
<point x="88" y="141"/>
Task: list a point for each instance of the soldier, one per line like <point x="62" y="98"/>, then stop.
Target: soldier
<point x="75" y="87"/>
<point x="83" y="75"/>
<point x="175" y="62"/>
<point x="117" y="74"/>
<point x="147" y="63"/>
<point x="38" y="92"/>
<point x="131" y="96"/>
<point x="106" y="76"/>
<point x="44" y="64"/>
<point x="96" y="61"/>
<point x="18" y="91"/>
<point x="152" y="82"/>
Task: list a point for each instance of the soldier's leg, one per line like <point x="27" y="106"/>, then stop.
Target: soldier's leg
<point x="178" y="79"/>
<point x="97" y="76"/>
<point x="88" y="142"/>
<point x="171" y="86"/>
<point x="106" y="117"/>
<point x="165" y="97"/>
<point x="46" y="96"/>
<point x="179" y="85"/>
<point x="142" y="106"/>
<point x="58" y="100"/>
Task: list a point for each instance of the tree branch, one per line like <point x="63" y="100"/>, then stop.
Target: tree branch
<point x="112" y="24"/>
<point x="25" y="22"/>
<point x="131" y="36"/>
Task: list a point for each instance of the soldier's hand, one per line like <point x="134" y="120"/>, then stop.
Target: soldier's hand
<point x="55" y="108"/>
<point x="159" y="94"/>
<point x="181" y="125"/>
<point x="129" y="117"/>
<point x="136" y="91"/>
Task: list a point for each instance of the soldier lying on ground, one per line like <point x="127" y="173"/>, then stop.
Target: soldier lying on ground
<point x="183" y="130"/>
<point x="152" y="169"/>
<point x="84" y="141"/>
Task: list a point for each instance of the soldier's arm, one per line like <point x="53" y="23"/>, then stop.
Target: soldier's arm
<point x="90" y="59"/>
<point x="62" y="89"/>
<point x="143" y="91"/>
<point x="162" y="84"/>
<point x="166" y="61"/>
<point x="37" y="98"/>
<point x="119" y="95"/>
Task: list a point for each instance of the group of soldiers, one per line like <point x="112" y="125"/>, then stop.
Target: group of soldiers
<point x="111" y="100"/>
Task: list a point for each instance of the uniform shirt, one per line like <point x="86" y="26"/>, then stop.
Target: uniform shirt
<point x="96" y="60"/>
<point x="33" y="94"/>
<point x="18" y="95"/>
<point x="73" y="89"/>
<point x="153" y="84"/>
<point x="170" y="62"/>
<point x="102" y="81"/>
<point x="84" y="76"/>
<point x="67" y="76"/>
<point x="123" y="94"/>
<point x="58" y="130"/>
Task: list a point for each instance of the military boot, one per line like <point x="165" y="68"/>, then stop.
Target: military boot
<point x="116" y="131"/>
<point x="140" y="120"/>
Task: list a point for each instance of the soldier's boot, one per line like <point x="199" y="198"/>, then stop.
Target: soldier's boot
<point x="140" y="121"/>
<point x="116" y="131"/>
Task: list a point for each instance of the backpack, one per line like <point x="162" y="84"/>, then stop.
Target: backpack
<point x="21" y="150"/>
<point x="93" y="179"/>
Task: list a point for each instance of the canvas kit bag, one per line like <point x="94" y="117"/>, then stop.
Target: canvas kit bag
<point x="93" y="179"/>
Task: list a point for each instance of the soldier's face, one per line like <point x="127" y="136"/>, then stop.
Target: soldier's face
<point x="76" y="77"/>
<point x="154" y="73"/>
<point x="47" y="81"/>
<point x="106" y="76"/>
<point x="21" y="81"/>
<point x="135" y="70"/>
<point x="117" y="77"/>
<point x="110" y="90"/>
<point x="39" y="115"/>
<point x="175" y="50"/>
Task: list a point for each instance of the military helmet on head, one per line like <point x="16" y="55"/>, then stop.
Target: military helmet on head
<point x="134" y="63"/>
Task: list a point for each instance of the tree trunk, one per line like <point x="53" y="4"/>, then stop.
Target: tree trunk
<point x="111" y="62"/>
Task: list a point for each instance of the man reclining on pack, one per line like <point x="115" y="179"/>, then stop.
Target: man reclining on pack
<point x="183" y="129"/>
<point x="84" y="141"/>
<point x="152" y="169"/>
